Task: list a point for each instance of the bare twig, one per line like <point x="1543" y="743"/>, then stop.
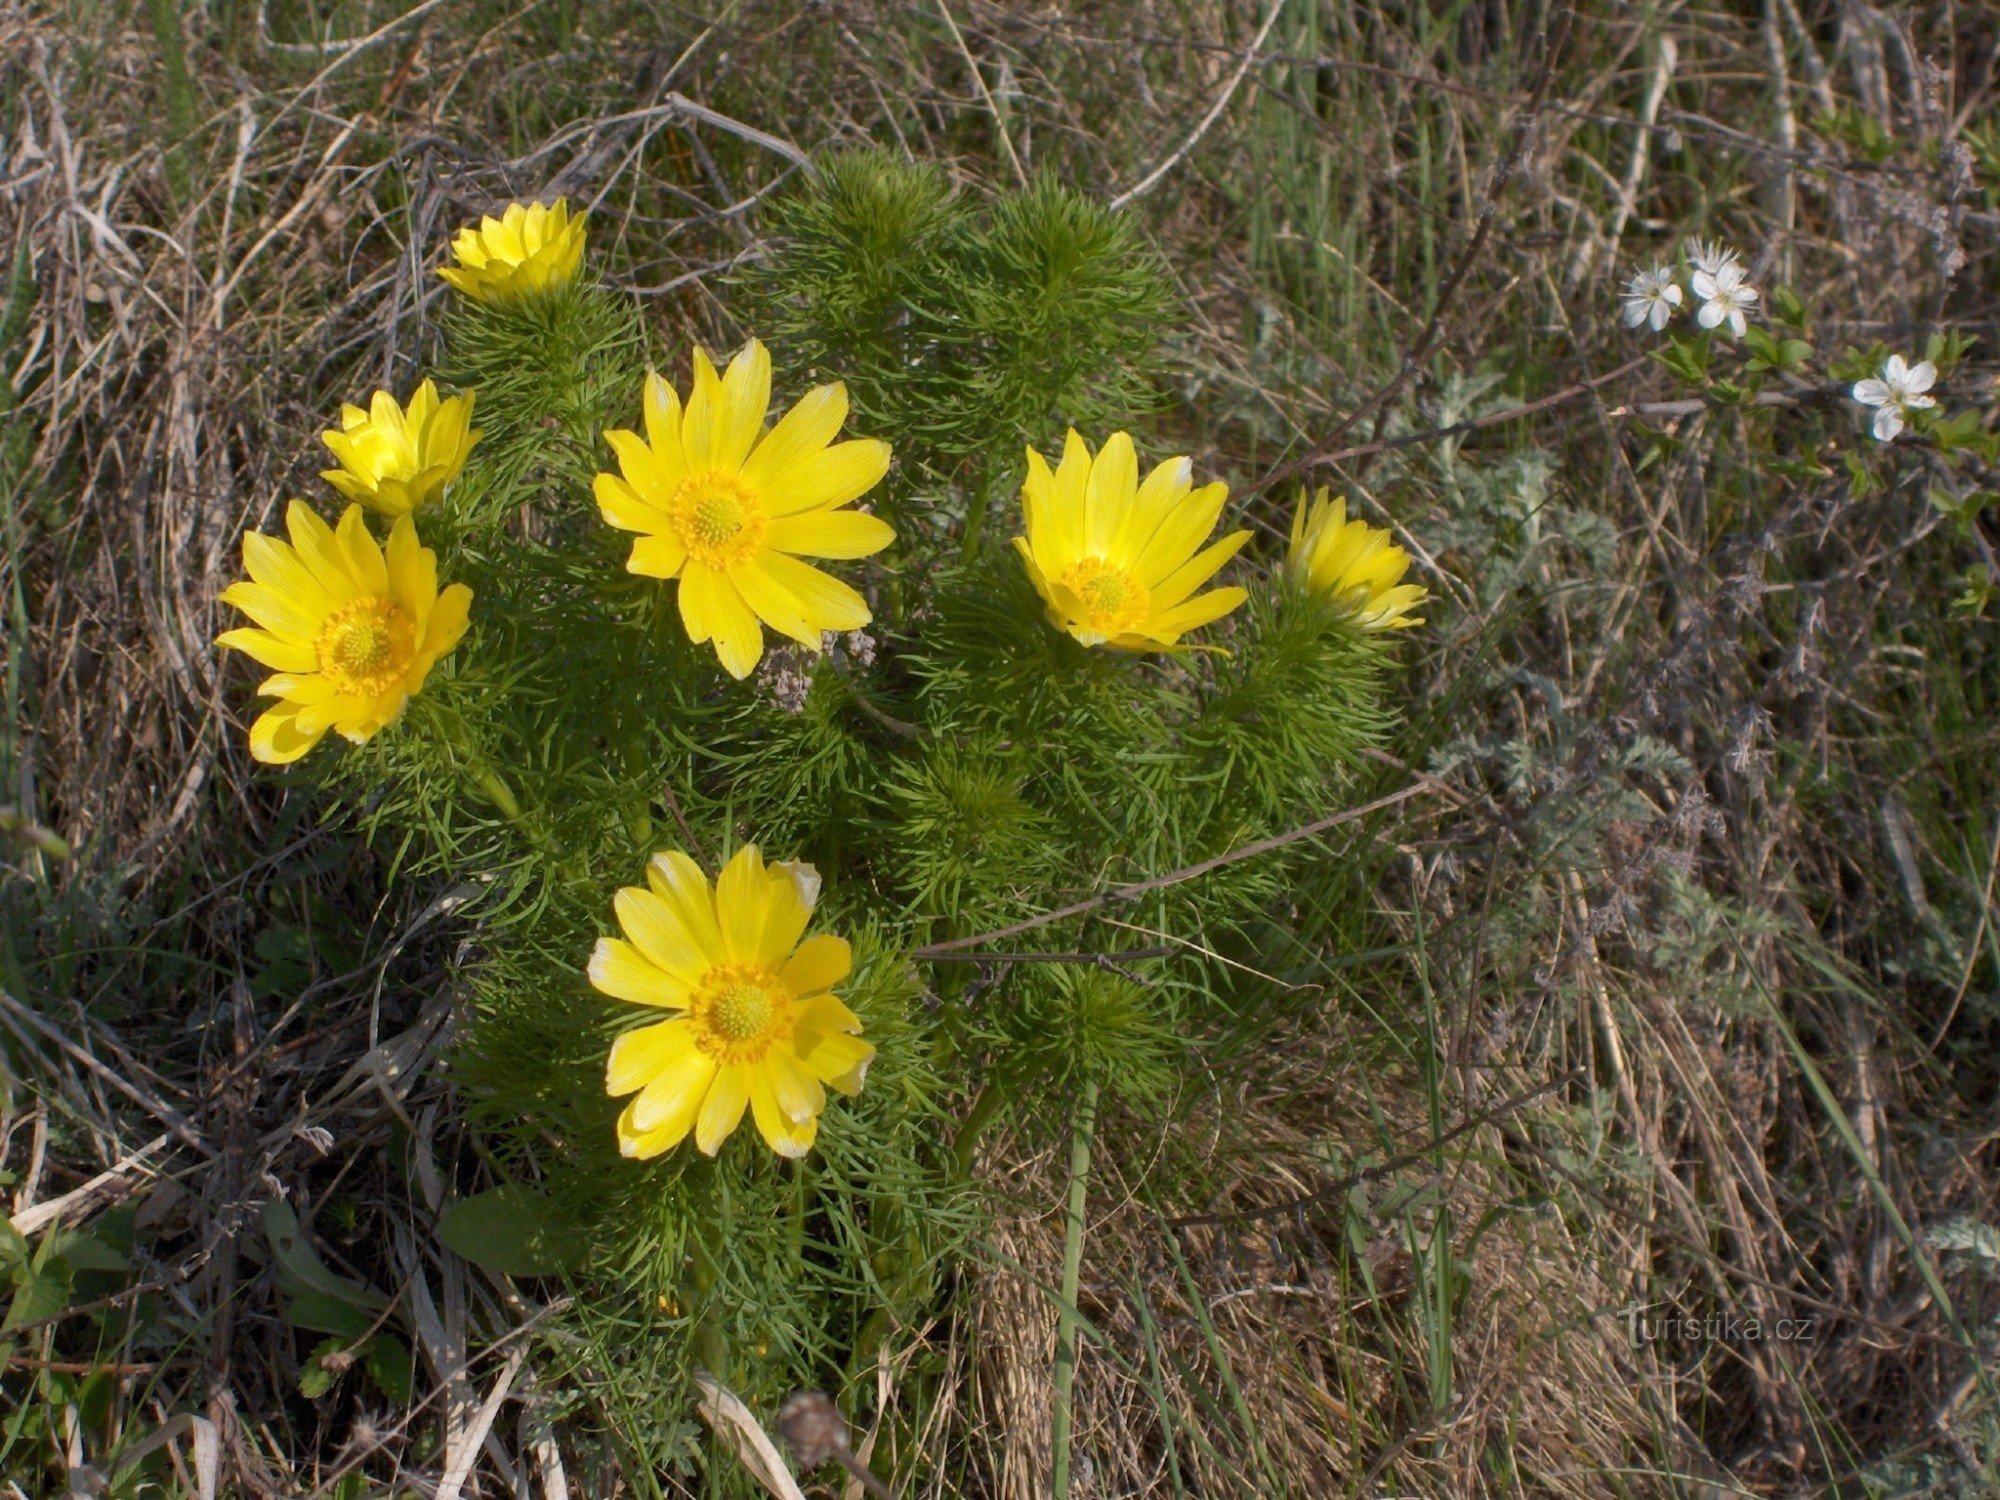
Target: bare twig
<point x="1153" y="178"/>
<point x="1125" y="893"/>
<point x="1340" y="1186"/>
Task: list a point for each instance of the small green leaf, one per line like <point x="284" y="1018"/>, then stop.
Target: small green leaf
<point x="512" y="1230"/>
<point x="318" y="1313"/>
<point x="85" y="1251"/>
<point x="317" y="1376"/>
<point x="387" y="1360"/>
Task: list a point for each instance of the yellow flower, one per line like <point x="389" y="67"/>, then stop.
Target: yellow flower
<point x="350" y="632"/>
<point x="729" y="508"/>
<point x="529" y="250"/>
<point x="1115" y="559"/>
<point x="756" y="1024"/>
<point x="394" y="459"/>
<point x="1354" y="565"/>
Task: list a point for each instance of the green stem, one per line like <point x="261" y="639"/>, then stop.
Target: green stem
<point x="711" y="1351"/>
<point x="975" y="515"/>
<point x="992" y="1099"/>
<point x="1066" y="1315"/>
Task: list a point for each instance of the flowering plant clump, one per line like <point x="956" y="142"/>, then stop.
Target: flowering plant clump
<point x="1074" y="678"/>
<point x="1765" y="372"/>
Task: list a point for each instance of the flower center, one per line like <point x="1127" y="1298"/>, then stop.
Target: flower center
<point x="739" y="1011"/>
<point x="366" y="646"/>
<point x="1113" y="600"/>
<point x="720" y="518"/>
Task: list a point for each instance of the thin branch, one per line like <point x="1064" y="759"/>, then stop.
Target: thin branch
<point x="1456" y="429"/>
<point x="979" y="82"/>
<point x="1352" y="1180"/>
<point x="1125" y="893"/>
<point x="1431" y="339"/>
<point x="1095" y="960"/>
<point x="1152" y="179"/>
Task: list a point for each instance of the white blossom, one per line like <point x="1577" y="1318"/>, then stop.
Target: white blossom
<point x="1714" y="258"/>
<point x="1651" y="297"/>
<point x="1725" y="298"/>
<point x="1900" y="388"/>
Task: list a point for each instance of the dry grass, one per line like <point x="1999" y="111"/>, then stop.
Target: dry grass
<point x="212" y="1002"/>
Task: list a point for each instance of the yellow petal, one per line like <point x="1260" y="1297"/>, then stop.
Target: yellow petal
<point x="787" y="1136"/>
<point x="742" y="898"/>
<point x="661" y="556"/>
<point x="642" y="1055"/>
<point x="412" y="570"/>
<point x="273" y="651"/>
<point x="314" y="541"/>
<point x="302" y="688"/>
<point x="823" y="1014"/>
<point x="1180" y="531"/>
<point x="827" y="603"/>
<point x="1108" y="493"/>
<point x="829" y="533"/>
<point x="1055" y="531"/>
<point x="785" y="916"/>
<point x="621" y="506"/>
<point x="364" y="559"/>
<point x="773" y="603"/>
<point x="800" y="435"/>
<point x="278" y="613"/>
<point x="746" y="397"/>
<point x="276" y="740"/>
<point x="1196" y="571"/>
<point x="699" y="423"/>
<point x="679" y="882"/>
<point x="722" y="1110"/>
<point x="837" y="1058"/>
<point x="676" y="1100"/>
<point x="448" y="618"/>
<point x="648" y="477"/>
<point x="659" y="932"/>
<point x="821" y="962"/>
<point x="280" y="569"/>
<point x="711" y="608"/>
<point x="1196" y="612"/>
<point x="1072" y="479"/>
<point x="833" y="476"/>
<point x="621" y="971"/>
<point x="1159" y="497"/>
<point x="663" y="431"/>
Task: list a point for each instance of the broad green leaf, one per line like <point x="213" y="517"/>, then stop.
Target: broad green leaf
<point x="300" y="1270"/>
<point x="318" y="1313"/>
<point x="512" y="1230"/>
